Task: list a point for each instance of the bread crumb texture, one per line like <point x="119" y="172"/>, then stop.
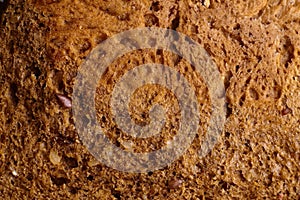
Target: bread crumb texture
<point x="256" y="47"/>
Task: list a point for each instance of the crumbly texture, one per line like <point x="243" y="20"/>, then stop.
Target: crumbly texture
<point x="256" y="47"/>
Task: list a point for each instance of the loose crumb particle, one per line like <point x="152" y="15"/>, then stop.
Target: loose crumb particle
<point x="206" y="3"/>
<point x="54" y="157"/>
<point x="14" y="172"/>
<point x="65" y="101"/>
<point x="286" y="111"/>
<point x="175" y="183"/>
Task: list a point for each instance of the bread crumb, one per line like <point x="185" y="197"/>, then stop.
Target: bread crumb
<point x="54" y="157"/>
<point x="206" y="3"/>
<point x="14" y="173"/>
<point x="175" y="183"/>
<point x="286" y="111"/>
<point x="65" y="101"/>
<point x="93" y="162"/>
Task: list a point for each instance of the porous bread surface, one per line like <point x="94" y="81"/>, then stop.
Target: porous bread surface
<point x="254" y="44"/>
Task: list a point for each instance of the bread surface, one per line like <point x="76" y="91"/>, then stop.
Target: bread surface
<point x="254" y="44"/>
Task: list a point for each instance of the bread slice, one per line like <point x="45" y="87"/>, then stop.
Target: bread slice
<point x="254" y="44"/>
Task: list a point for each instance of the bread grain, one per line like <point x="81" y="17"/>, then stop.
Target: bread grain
<point x="255" y="45"/>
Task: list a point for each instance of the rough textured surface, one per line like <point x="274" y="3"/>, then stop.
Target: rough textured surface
<point x="256" y="46"/>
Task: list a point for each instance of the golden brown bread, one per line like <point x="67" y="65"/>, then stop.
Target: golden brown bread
<point x="255" y="45"/>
